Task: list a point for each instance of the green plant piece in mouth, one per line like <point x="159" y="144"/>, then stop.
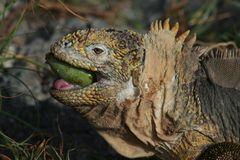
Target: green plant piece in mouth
<point x="71" y="74"/>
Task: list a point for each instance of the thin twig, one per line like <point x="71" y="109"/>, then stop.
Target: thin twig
<point x="72" y="12"/>
<point x="61" y="136"/>
<point x="11" y="97"/>
<point x="25" y="85"/>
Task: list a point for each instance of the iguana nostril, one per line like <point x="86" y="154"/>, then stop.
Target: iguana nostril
<point x="67" y="44"/>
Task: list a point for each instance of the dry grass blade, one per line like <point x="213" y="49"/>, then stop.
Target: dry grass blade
<point x="7" y="40"/>
<point x="72" y="12"/>
<point x="4" y="157"/>
<point x="42" y="150"/>
<point x="11" y="97"/>
<point x="204" y="13"/>
<point x="43" y="5"/>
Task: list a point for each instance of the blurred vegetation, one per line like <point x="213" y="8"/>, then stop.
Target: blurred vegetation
<point x="25" y="151"/>
<point x="213" y="21"/>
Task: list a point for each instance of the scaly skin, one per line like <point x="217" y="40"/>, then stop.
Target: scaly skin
<point x="121" y="57"/>
<point x="141" y="110"/>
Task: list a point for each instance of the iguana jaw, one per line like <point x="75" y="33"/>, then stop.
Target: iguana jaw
<point x="70" y="77"/>
<point x="73" y="94"/>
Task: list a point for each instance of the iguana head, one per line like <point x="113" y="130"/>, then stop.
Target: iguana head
<point x="111" y="55"/>
<point x="115" y="58"/>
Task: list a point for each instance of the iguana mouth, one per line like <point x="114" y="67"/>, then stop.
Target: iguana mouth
<point x="70" y="77"/>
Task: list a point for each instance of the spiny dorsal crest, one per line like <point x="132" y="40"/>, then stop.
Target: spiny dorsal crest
<point x="162" y="45"/>
<point x="158" y="27"/>
<point x="158" y="84"/>
<point x="222" y="54"/>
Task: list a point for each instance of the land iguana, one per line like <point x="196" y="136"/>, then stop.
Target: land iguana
<point x="155" y="93"/>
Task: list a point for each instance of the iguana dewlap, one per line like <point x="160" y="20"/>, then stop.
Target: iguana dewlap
<point x="153" y="94"/>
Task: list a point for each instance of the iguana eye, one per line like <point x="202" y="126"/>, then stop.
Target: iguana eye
<point x="98" y="50"/>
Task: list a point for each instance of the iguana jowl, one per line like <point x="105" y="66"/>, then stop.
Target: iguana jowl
<point x="154" y="94"/>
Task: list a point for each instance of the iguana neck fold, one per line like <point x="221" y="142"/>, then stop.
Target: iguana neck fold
<point x="154" y="117"/>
